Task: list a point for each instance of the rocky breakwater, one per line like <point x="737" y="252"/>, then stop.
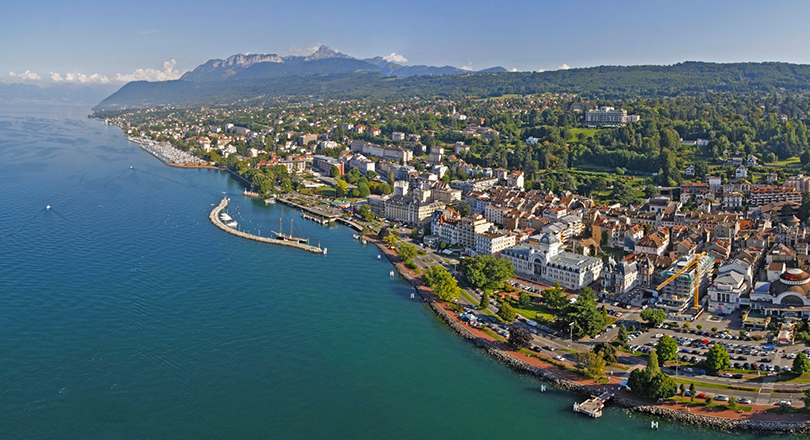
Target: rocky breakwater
<point x="214" y="217"/>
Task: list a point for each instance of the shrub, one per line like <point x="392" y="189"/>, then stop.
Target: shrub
<point x="714" y="329"/>
<point x="700" y="326"/>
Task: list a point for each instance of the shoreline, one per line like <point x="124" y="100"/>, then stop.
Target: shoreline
<point x="549" y="375"/>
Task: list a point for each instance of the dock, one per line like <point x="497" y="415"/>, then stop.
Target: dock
<point x="214" y="217"/>
<point x="593" y="406"/>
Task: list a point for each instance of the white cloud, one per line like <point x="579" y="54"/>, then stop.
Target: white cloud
<point x="26" y="76"/>
<point x="303" y="51"/>
<point x="395" y="58"/>
<point x="168" y="73"/>
<point x="564" y="67"/>
<point x="467" y="66"/>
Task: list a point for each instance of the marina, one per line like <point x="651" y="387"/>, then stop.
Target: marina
<point x="593" y="406"/>
<point x="284" y="240"/>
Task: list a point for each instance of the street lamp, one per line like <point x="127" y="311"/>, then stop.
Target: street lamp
<point x="571" y="329"/>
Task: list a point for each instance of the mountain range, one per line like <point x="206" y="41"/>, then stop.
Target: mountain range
<point x="323" y="61"/>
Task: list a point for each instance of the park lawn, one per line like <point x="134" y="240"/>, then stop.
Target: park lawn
<point x="534" y="311"/>
<point x="472" y="300"/>
<point x="716" y="386"/>
<point x="326" y="191"/>
<point x="787" y="410"/>
<point x="583" y="133"/>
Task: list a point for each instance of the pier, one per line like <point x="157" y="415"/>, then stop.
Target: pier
<point x="593" y="406"/>
<point x="214" y="217"/>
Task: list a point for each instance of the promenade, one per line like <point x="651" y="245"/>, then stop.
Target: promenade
<point x="214" y="217"/>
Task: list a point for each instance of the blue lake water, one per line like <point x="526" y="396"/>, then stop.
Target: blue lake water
<point x="124" y="314"/>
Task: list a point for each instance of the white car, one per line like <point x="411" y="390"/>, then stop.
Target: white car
<point x="559" y="358"/>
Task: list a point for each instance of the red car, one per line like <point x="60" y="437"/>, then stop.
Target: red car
<point x="701" y="395"/>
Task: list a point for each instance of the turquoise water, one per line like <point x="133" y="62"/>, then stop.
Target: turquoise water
<point x="125" y="314"/>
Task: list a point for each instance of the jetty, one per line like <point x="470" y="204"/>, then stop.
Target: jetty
<point x="214" y="217"/>
<point x="593" y="406"/>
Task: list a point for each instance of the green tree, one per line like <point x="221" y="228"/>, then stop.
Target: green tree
<point x="366" y="213"/>
<point x="692" y="392"/>
<point x="732" y="402"/>
<point x="650" y="191"/>
<point x="484" y="303"/>
<point x="651" y="381"/>
<point x="391" y="177"/>
<point x="717" y="358"/>
<point x="592" y="364"/>
<point x="362" y="188"/>
<point x="622" y="338"/>
<point x="622" y="192"/>
<point x="506" y="312"/>
<point x="486" y="270"/>
<point x="340" y="188"/>
<point x="334" y="172"/>
<point x="519" y="337"/>
<point x="801" y="364"/>
<point x="555" y="297"/>
<point x="444" y="285"/>
<point x="653" y="316"/>
<point x="525" y="300"/>
<point x="682" y="391"/>
<point x="608" y="352"/>
<point x="406" y="251"/>
<point x="666" y="349"/>
<point x="390" y="240"/>
<point x="583" y="315"/>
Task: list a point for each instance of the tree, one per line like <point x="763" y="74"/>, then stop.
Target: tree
<point x="340" y="188"/>
<point x="334" y="172"/>
<point x="651" y="381"/>
<point x="622" y="192"/>
<point x="484" y="303"/>
<point x="682" y="391"/>
<point x="654" y="317"/>
<point x="464" y="209"/>
<point x="801" y="364"/>
<point x="732" y="402"/>
<point x="592" y="364"/>
<point x="650" y="191"/>
<point x="583" y="315"/>
<point x="717" y="358"/>
<point x="486" y="270"/>
<point x="406" y="251"/>
<point x="608" y="352"/>
<point x="652" y="362"/>
<point x="692" y="392"/>
<point x="362" y="188"/>
<point x="366" y="213"/>
<point x="555" y="297"/>
<point x="506" y="312"/>
<point x="525" y="300"/>
<point x="444" y="285"/>
<point x="622" y="338"/>
<point x="805" y="157"/>
<point x="391" y="177"/>
<point x="519" y="337"/>
<point x="667" y="349"/>
<point x="390" y="240"/>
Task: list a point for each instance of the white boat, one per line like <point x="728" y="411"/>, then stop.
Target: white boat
<point x="231" y="224"/>
<point x="379" y="257"/>
<point x="225" y="217"/>
<point x="324" y="251"/>
<point x="356" y="236"/>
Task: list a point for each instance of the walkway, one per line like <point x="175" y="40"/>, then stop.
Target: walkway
<point x="214" y="217"/>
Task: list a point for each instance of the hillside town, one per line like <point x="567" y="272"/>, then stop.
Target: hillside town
<point x="718" y="236"/>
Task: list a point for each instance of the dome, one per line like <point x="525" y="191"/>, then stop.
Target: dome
<point x="794" y="280"/>
<point x="549" y="239"/>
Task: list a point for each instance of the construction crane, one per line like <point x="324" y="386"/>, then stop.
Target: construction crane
<point x="694" y="263"/>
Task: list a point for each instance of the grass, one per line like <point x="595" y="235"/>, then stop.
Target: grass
<point x="472" y="300"/>
<point x="534" y="311"/>
<point x="716" y="386"/>
<point x="493" y="334"/>
<point x="787" y="410"/>
<point x="790" y="162"/>
<point x="326" y="191"/>
<point x="583" y="133"/>
<point x="701" y="402"/>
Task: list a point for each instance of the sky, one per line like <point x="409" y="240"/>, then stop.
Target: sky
<point x="94" y="42"/>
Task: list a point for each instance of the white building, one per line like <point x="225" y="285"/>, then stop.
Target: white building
<point x="548" y="263"/>
<point x="731" y="287"/>
<point x="493" y="243"/>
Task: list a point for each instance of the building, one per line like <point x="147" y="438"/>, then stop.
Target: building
<point x="325" y="164"/>
<point x="362" y="163"/>
<point x="394" y="153"/>
<point x="408" y="210"/>
<point x="732" y="286"/>
<point x="741" y="172"/>
<point x="800" y="182"/>
<point x="397" y="136"/>
<point x="609" y="117"/>
<point x="445" y="225"/>
<point x="489" y="243"/>
<point x="548" y="263"/>
<point x="436" y="154"/>
<point x="469" y="228"/>
<point x="765" y="194"/>
<point x="621" y="277"/>
<point x="678" y="296"/>
<point x="786" y="298"/>
<point x="654" y="243"/>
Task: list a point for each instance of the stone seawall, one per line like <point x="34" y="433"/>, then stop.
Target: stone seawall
<point x="524" y="367"/>
<point x="214" y="217"/>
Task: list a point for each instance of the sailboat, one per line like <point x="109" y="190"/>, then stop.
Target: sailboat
<point x="288" y="237"/>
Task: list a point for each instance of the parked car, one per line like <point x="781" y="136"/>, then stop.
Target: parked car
<point x="738" y="376"/>
<point x="559" y="358"/>
<point x="784" y="403"/>
<point x="744" y="400"/>
<point x="721" y="398"/>
<point x="726" y="375"/>
<point x="548" y="347"/>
